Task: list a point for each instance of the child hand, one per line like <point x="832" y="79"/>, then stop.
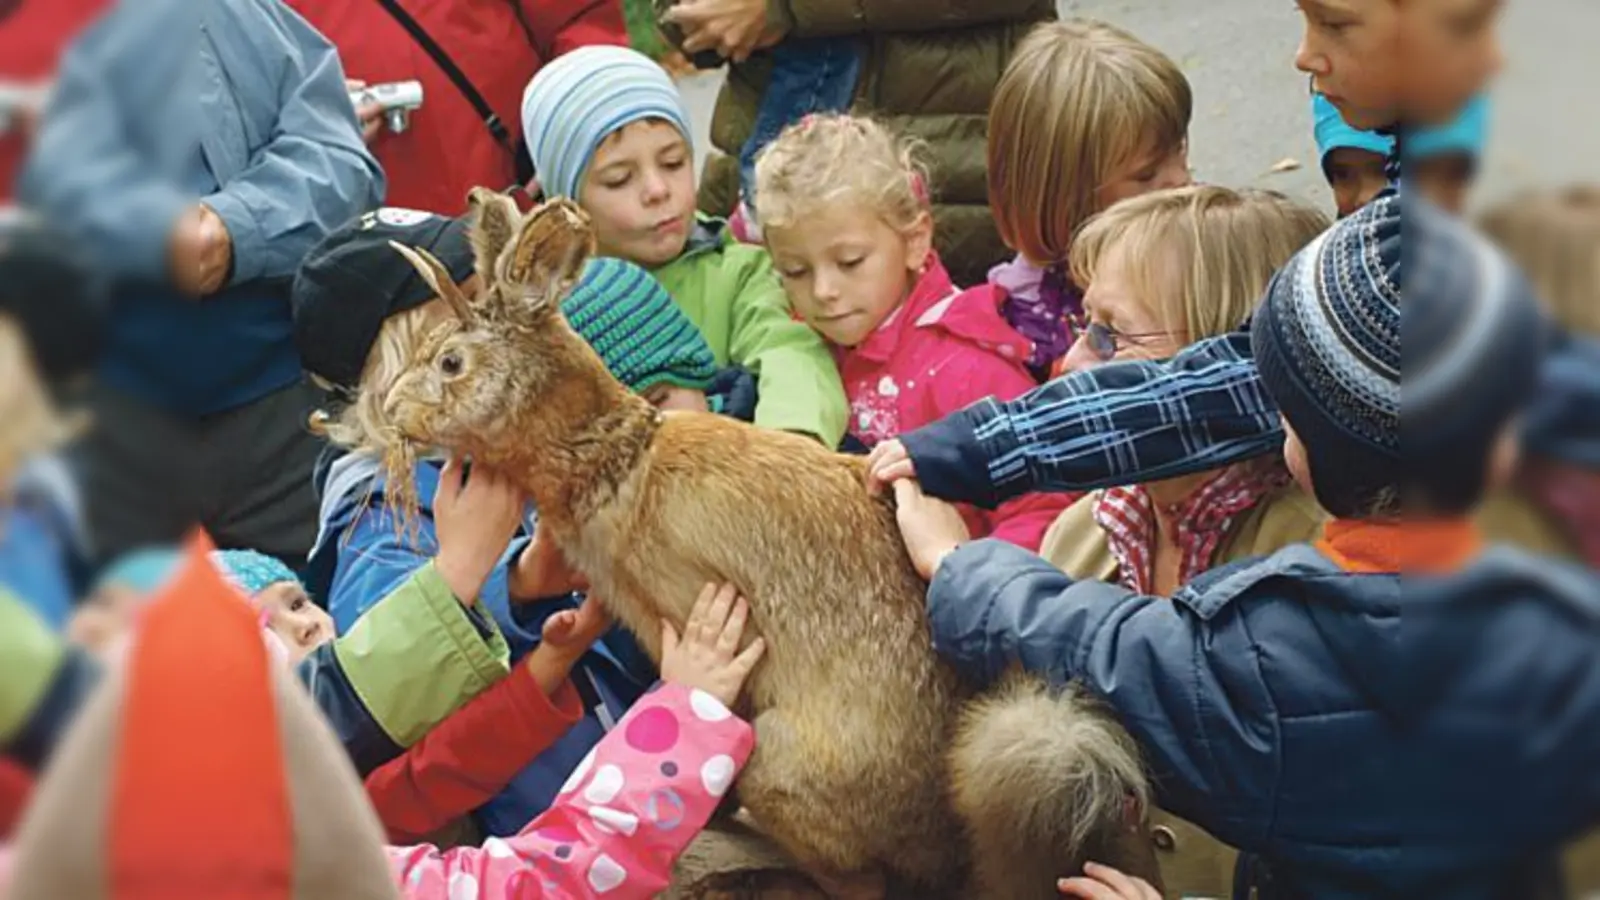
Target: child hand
<point x="1105" y="883"/>
<point x="567" y="635"/>
<point x="887" y="463"/>
<point x="931" y="528"/>
<point x="541" y="571"/>
<point x="707" y="656"/>
<point x="475" y="522"/>
<point x="573" y="630"/>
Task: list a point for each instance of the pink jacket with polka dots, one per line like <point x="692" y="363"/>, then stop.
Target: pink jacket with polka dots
<point x="941" y="351"/>
<point x="621" y="820"/>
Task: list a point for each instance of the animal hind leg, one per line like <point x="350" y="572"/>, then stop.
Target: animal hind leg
<point x="788" y="792"/>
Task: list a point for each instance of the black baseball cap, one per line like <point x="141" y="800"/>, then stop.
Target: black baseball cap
<point x="48" y="286"/>
<point x="353" y="280"/>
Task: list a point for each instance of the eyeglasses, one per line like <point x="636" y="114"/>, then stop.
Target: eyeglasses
<point x="1105" y="340"/>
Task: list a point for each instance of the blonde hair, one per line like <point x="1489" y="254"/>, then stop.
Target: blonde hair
<point x="825" y="160"/>
<point x="30" y="423"/>
<point x="1079" y="100"/>
<point x="1204" y="253"/>
<point x="1554" y="236"/>
<point x="362" y="425"/>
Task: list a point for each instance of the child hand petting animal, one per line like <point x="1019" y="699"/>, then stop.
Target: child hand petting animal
<point x="476" y="518"/>
<point x="1105" y="883"/>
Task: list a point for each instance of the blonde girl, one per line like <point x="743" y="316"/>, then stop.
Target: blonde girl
<point x="846" y="218"/>
<point x="1085" y="115"/>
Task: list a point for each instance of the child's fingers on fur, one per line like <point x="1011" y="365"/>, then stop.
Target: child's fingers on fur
<point x="716" y="615"/>
<point x="1086" y="889"/>
<point x="733" y="628"/>
<point x="699" y="612"/>
<point x="669" y="640"/>
<point x="745" y="663"/>
<point x="1125" y="885"/>
<point x="449" y="481"/>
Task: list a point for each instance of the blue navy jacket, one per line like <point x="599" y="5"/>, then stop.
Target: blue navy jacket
<point x="1367" y="737"/>
<point x="360" y="556"/>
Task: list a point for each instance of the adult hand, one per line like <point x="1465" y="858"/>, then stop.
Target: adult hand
<point x="931" y="528"/>
<point x="733" y="28"/>
<point x="201" y="251"/>
<point x="475" y="519"/>
<point x="1105" y="883"/>
<point x="542" y="571"/>
<point x="887" y="463"/>
<point x="369" y="114"/>
<point x="707" y="657"/>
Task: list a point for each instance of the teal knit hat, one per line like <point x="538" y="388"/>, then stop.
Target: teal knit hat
<point x="640" y="333"/>
<point x="252" y="572"/>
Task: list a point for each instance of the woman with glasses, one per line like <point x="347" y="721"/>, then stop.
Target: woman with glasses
<point x="1161" y="271"/>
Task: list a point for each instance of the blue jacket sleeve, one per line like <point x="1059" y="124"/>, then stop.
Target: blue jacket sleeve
<point x="1172" y="679"/>
<point x="1563" y="420"/>
<point x="313" y="175"/>
<point x="84" y="171"/>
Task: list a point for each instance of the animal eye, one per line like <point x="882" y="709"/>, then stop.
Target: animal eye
<point x="450" y="364"/>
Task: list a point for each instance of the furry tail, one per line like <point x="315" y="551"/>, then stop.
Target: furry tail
<point x="1042" y="780"/>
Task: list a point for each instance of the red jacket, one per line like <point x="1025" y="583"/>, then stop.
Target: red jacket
<point x="448" y="150"/>
<point x="32" y="37"/>
<point x="470" y="756"/>
<point x="941" y="351"/>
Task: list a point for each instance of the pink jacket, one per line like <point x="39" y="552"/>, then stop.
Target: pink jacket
<point x="941" y="351"/>
<point x="621" y="820"/>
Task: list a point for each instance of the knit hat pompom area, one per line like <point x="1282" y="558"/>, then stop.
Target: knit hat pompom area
<point x="639" y="332"/>
<point x="582" y="97"/>
<point x="1331" y="344"/>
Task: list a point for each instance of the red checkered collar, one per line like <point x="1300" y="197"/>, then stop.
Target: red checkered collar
<point x="1128" y="516"/>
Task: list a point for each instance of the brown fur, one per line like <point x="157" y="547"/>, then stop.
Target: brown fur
<point x="852" y="710"/>
<point x="1049" y="770"/>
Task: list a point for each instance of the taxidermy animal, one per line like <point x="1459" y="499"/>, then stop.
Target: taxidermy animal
<point x="859" y="771"/>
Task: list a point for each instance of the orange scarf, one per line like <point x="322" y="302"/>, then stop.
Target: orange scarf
<point x="1430" y="547"/>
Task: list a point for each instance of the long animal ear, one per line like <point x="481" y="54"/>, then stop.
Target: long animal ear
<point x="438" y="278"/>
<point x="495" y="218"/>
<point x="549" y="254"/>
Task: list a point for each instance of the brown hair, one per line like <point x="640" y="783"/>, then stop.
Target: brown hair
<point x="823" y="160"/>
<point x="1206" y="252"/>
<point x="1554" y="236"/>
<point x="1079" y="100"/>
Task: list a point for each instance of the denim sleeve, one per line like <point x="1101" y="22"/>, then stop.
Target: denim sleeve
<point x="1122" y="423"/>
<point x="314" y="174"/>
<point x="84" y="172"/>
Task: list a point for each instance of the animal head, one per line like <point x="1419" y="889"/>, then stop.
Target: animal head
<point x="505" y="346"/>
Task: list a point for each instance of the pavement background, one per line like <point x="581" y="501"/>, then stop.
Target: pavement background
<point x="1252" y="110"/>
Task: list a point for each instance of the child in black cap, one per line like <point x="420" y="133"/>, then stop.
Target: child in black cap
<point x="1395" y="710"/>
<point x="359" y="306"/>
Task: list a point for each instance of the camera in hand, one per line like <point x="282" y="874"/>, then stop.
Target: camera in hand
<point x="398" y="99"/>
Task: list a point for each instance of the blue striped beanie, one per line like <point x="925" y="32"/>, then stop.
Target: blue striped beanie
<point x="639" y="332"/>
<point x="584" y="96"/>
<point x="1327" y="343"/>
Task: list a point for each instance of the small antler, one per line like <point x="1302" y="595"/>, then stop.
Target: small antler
<point x="438" y="278"/>
<point x="548" y="257"/>
<point x="495" y="218"/>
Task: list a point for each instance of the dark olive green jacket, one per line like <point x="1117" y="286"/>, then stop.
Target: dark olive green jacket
<point x="930" y="70"/>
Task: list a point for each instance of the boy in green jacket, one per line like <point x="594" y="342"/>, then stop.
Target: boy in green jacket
<point x="607" y="128"/>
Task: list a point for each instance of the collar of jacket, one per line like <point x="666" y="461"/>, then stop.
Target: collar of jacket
<point x="1432" y="547"/>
